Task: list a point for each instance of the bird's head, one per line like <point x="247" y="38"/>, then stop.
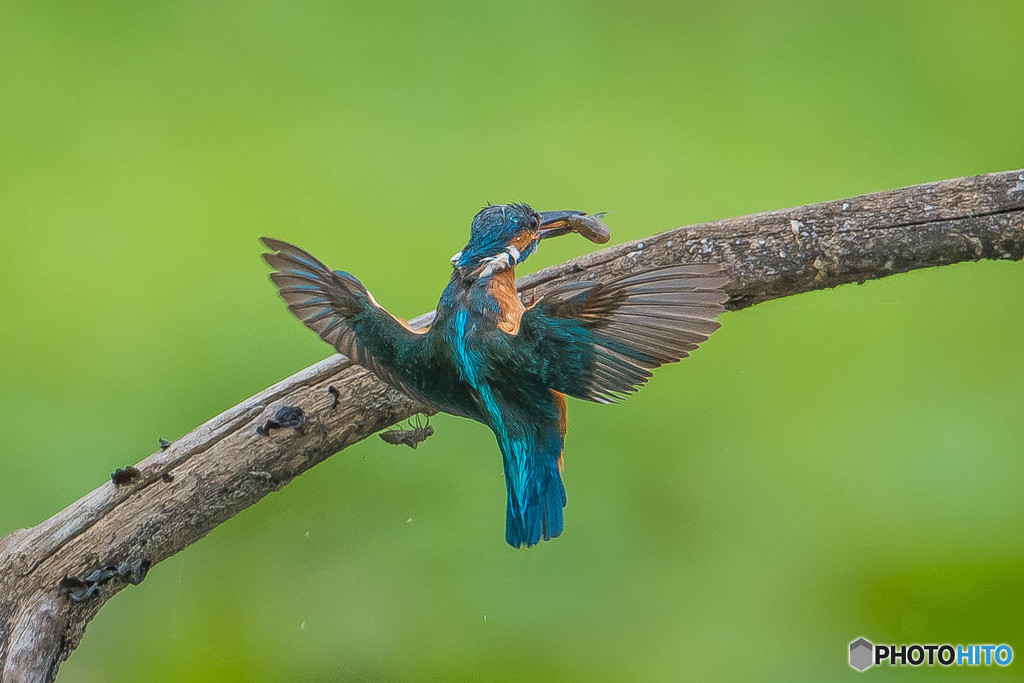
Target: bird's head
<point x="503" y="235"/>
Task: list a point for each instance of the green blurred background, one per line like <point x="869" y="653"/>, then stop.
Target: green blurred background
<point x="833" y="465"/>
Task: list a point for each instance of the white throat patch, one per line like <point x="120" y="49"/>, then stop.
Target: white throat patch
<point x="497" y="263"/>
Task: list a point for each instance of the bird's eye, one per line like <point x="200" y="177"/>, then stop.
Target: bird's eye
<point x="534" y="222"/>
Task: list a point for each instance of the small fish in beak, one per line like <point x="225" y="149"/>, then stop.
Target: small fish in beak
<point x="556" y="223"/>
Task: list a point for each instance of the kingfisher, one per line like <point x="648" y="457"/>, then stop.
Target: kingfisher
<point x="489" y="357"/>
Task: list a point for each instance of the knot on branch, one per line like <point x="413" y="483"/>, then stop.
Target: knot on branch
<point x="287" y="416"/>
<point x="80" y="589"/>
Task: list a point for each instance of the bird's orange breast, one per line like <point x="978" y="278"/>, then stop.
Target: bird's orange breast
<point x="502" y="287"/>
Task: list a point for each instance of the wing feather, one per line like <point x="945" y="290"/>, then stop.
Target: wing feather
<point x="600" y="340"/>
<point x="336" y="306"/>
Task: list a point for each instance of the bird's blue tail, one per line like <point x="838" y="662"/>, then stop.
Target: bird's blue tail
<point x="536" y="495"/>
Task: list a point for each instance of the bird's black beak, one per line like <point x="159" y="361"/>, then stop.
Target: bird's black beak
<point x="555" y="223"/>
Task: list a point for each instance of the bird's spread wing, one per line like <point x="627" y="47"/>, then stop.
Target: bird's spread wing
<point x="337" y="306"/>
<point x="600" y="340"/>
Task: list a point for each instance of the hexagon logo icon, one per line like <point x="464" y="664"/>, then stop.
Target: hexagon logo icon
<point x="861" y="654"/>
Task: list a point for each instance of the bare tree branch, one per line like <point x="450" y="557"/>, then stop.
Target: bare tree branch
<point x="55" y="576"/>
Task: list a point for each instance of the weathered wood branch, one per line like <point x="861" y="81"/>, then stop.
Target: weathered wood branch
<point x="224" y="466"/>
